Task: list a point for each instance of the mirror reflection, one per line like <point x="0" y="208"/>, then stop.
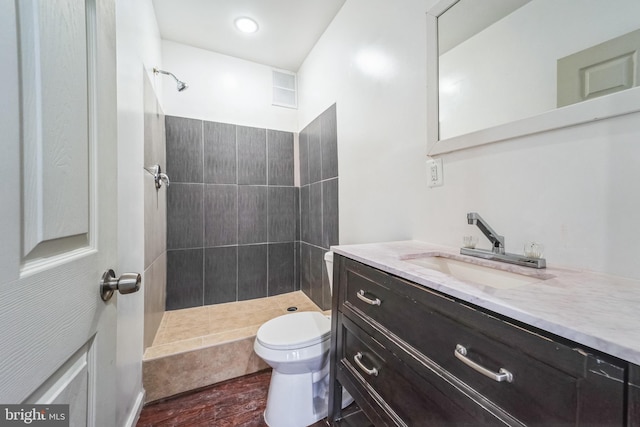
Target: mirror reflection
<point x="505" y="60"/>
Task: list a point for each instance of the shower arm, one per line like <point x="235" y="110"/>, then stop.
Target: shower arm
<point x="180" y="84"/>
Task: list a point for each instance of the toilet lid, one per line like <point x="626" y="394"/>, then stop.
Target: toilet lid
<point x="296" y="330"/>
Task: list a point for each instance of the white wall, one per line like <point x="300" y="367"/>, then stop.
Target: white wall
<point x="371" y="61"/>
<point x="138" y="51"/>
<point x="575" y="190"/>
<point x="221" y="89"/>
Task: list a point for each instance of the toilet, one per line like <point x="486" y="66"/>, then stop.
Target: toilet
<point x="296" y="346"/>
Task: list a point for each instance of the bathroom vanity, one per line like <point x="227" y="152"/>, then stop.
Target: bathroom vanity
<point x="419" y="347"/>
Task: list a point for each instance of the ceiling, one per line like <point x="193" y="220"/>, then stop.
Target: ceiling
<point x="288" y="29"/>
<point x="469" y="17"/>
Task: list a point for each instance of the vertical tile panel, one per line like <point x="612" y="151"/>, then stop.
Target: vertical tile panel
<point x="315" y="214"/>
<point x="252" y="155"/>
<point x="296" y="212"/>
<point x="252" y="214"/>
<point x="296" y="259"/>
<point x="281" y="218"/>
<point x="303" y="141"/>
<point x="184" y="149"/>
<point x="315" y="152"/>
<point x="315" y="275"/>
<point x="330" y="213"/>
<point x="280" y="157"/>
<point x="304" y="213"/>
<point x="184" y="216"/>
<point x="252" y="272"/>
<point x="326" y="288"/>
<point x="305" y="272"/>
<point x="152" y="225"/>
<point x="155" y="296"/>
<point x="184" y="278"/>
<point x="329" y="142"/>
<point x="220" y="274"/>
<point x="220" y="215"/>
<point x="219" y="153"/>
<point x="281" y="268"/>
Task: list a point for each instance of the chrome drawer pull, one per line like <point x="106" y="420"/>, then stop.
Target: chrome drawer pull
<point x="358" y="359"/>
<point x="502" y="375"/>
<point x="361" y="296"/>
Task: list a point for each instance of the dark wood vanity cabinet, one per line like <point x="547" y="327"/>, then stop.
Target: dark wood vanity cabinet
<point x="414" y="357"/>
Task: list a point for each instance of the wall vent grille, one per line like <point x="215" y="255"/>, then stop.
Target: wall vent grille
<point x="284" y="89"/>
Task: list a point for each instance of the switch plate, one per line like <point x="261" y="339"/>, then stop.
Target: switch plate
<point x="434" y="172"/>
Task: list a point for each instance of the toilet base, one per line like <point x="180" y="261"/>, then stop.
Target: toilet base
<point x="295" y="400"/>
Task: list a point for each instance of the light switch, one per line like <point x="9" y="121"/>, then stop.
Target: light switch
<point x="434" y="172"/>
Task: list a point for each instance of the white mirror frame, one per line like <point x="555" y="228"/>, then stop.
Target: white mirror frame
<point x="612" y="105"/>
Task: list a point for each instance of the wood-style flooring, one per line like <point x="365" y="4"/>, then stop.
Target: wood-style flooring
<point x="239" y="402"/>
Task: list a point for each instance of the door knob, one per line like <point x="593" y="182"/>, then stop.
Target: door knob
<point x="127" y="283"/>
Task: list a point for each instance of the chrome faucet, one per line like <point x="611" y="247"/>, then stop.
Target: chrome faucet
<point x="497" y="252"/>
<point x="497" y="241"/>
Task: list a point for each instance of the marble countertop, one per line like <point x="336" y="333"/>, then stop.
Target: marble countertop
<point x="592" y="309"/>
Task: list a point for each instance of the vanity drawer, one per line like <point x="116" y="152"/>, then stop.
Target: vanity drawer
<point x="550" y="380"/>
<point x="423" y="399"/>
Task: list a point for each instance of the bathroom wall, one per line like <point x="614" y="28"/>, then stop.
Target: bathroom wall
<point x="371" y="61"/>
<point x="231" y="213"/>
<point x="575" y="190"/>
<point x="222" y="89"/>
<point x="138" y="51"/>
<point x="318" y="204"/>
<point x="155" y="216"/>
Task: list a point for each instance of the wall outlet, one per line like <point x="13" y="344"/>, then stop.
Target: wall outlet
<point x="434" y="172"/>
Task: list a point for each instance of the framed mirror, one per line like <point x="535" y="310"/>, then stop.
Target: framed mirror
<point x="499" y="69"/>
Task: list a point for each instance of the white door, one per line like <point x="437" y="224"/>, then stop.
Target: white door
<point x="58" y="205"/>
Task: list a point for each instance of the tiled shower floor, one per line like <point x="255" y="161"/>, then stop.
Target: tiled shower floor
<point x="192" y="328"/>
<point x="200" y="346"/>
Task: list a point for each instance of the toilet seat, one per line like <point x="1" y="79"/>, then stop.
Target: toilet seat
<point x="294" y="331"/>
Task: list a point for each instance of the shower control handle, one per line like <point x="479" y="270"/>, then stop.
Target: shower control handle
<point x="158" y="176"/>
<point x="162" y="177"/>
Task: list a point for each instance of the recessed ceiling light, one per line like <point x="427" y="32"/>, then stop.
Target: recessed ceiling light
<point x="246" y="25"/>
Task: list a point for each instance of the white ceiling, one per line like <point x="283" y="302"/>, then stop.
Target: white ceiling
<point x="288" y="29"/>
<point x="469" y="17"/>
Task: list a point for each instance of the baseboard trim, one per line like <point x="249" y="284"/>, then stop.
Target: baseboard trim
<point x="134" y="415"/>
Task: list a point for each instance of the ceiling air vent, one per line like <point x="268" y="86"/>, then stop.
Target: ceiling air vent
<point x="284" y="89"/>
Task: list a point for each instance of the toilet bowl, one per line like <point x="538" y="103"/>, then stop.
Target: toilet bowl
<point x="296" y="346"/>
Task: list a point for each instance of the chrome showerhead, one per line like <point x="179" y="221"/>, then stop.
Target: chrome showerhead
<point x="180" y="84"/>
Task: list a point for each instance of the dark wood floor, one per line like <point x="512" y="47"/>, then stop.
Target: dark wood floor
<point x="235" y="403"/>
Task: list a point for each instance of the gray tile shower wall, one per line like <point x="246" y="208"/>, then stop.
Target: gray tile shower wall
<point x="232" y="213"/>
<point x="155" y="216"/>
<point x="318" y="204"/>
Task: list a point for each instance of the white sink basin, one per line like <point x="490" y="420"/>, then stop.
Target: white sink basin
<point x="468" y="272"/>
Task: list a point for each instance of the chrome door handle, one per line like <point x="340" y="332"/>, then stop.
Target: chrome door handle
<point x="369" y="371"/>
<point x="361" y="297"/>
<point x="127" y="283"/>
<point x="502" y="375"/>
